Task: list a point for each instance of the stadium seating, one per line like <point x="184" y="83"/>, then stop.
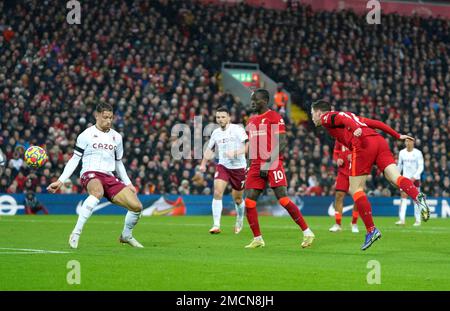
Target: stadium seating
<point x="159" y="65"/>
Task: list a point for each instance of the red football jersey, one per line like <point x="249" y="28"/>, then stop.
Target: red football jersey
<point x="341" y="125"/>
<point x="342" y="152"/>
<point x="262" y="130"/>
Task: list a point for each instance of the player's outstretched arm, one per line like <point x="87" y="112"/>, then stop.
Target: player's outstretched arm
<point x="122" y="173"/>
<point x="209" y="154"/>
<point x="420" y="167"/>
<point x="68" y="171"/>
<point x="375" y="124"/>
<point x="404" y="137"/>
<point x="400" y="162"/>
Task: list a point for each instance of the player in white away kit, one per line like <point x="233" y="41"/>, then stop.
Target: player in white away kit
<point x="410" y="163"/>
<point x="230" y="142"/>
<point x="101" y="150"/>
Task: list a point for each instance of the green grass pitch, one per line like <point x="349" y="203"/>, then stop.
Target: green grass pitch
<point x="179" y="254"/>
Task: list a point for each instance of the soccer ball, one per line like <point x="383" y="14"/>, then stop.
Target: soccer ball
<point x="35" y="157"/>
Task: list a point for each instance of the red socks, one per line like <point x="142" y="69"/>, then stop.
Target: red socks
<point x="408" y="187"/>
<point x="252" y="216"/>
<point x="294" y="211"/>
<point x="365" y="209"/>
<point x="338" y="217"/>
<point x="354" y="217"/>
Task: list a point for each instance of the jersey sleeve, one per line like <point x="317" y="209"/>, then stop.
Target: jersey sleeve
<point x="375" y="124"/>
<point x="420" y="166"/>
<point x="278" y="120"/>
<point x="212" y="141"/>
<point x="242" y="134"/>
<point x="326" y="121"/>
<point x="81" y="144"/>
<point x="119" y="150"/>
<point x="400" y="161"/>
<point x="338" y="119"/>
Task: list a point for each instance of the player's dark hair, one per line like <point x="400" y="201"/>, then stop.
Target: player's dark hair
<point x="263" y="93"/>
<point x="103" y="107"/>
<point x="321" y="105"/>
<point x="223" y="109"/>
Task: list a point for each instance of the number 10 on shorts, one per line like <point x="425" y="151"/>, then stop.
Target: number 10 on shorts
<point x="278" y="176"/>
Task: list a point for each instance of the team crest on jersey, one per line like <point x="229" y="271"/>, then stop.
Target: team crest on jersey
<point x="262" y="121"/>
<point x="95" y="136"/>
<point x="114" y="138"/>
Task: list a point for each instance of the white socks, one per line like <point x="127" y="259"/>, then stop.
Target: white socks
<point x="131" y="220"/>
<point x="217" y="212"/>
<point x="85" y="212"/>
<point x="402" y="209"/>
<point x="240" y="209"/>
<point x="308" y="232"/>
<point x="417" y="213"/>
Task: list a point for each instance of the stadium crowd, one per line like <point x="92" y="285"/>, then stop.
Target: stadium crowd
<point x="159" y="65"/>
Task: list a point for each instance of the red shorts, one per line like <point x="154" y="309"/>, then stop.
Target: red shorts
<point x="372" y="150"/>
<point x="276" y="178"/>
<point x="342" y="182"/>
<point x="111" y="184"/>
<point x="236" y="177"/>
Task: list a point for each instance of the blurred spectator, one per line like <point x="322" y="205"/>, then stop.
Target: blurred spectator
<point x="16" y="162"/>
<point x="32" y="205"/>
<point x="281" y="99"/>
<point x="184" y="188"/>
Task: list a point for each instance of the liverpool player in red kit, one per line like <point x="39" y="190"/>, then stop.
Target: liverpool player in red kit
<point x="342" y="155"/>
<point x="368" y="148"/>
<point x="267" y="141"/>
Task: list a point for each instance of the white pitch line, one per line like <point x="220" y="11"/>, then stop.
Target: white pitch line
<point x="22" y="253"/>
<point x="30" y="251"/>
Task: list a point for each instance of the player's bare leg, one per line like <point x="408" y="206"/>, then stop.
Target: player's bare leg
<point x="392" y="173"/>
<point x="217" y="205"/>
<point x="338" y="208"/>
<point x="357" y="186"/>
<point x="296" y="215"/>
<point x="127" y="198"/>
<point x="239" y="206"/>
<point x="95" y="190"/>
<point x="251" y="197"/>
